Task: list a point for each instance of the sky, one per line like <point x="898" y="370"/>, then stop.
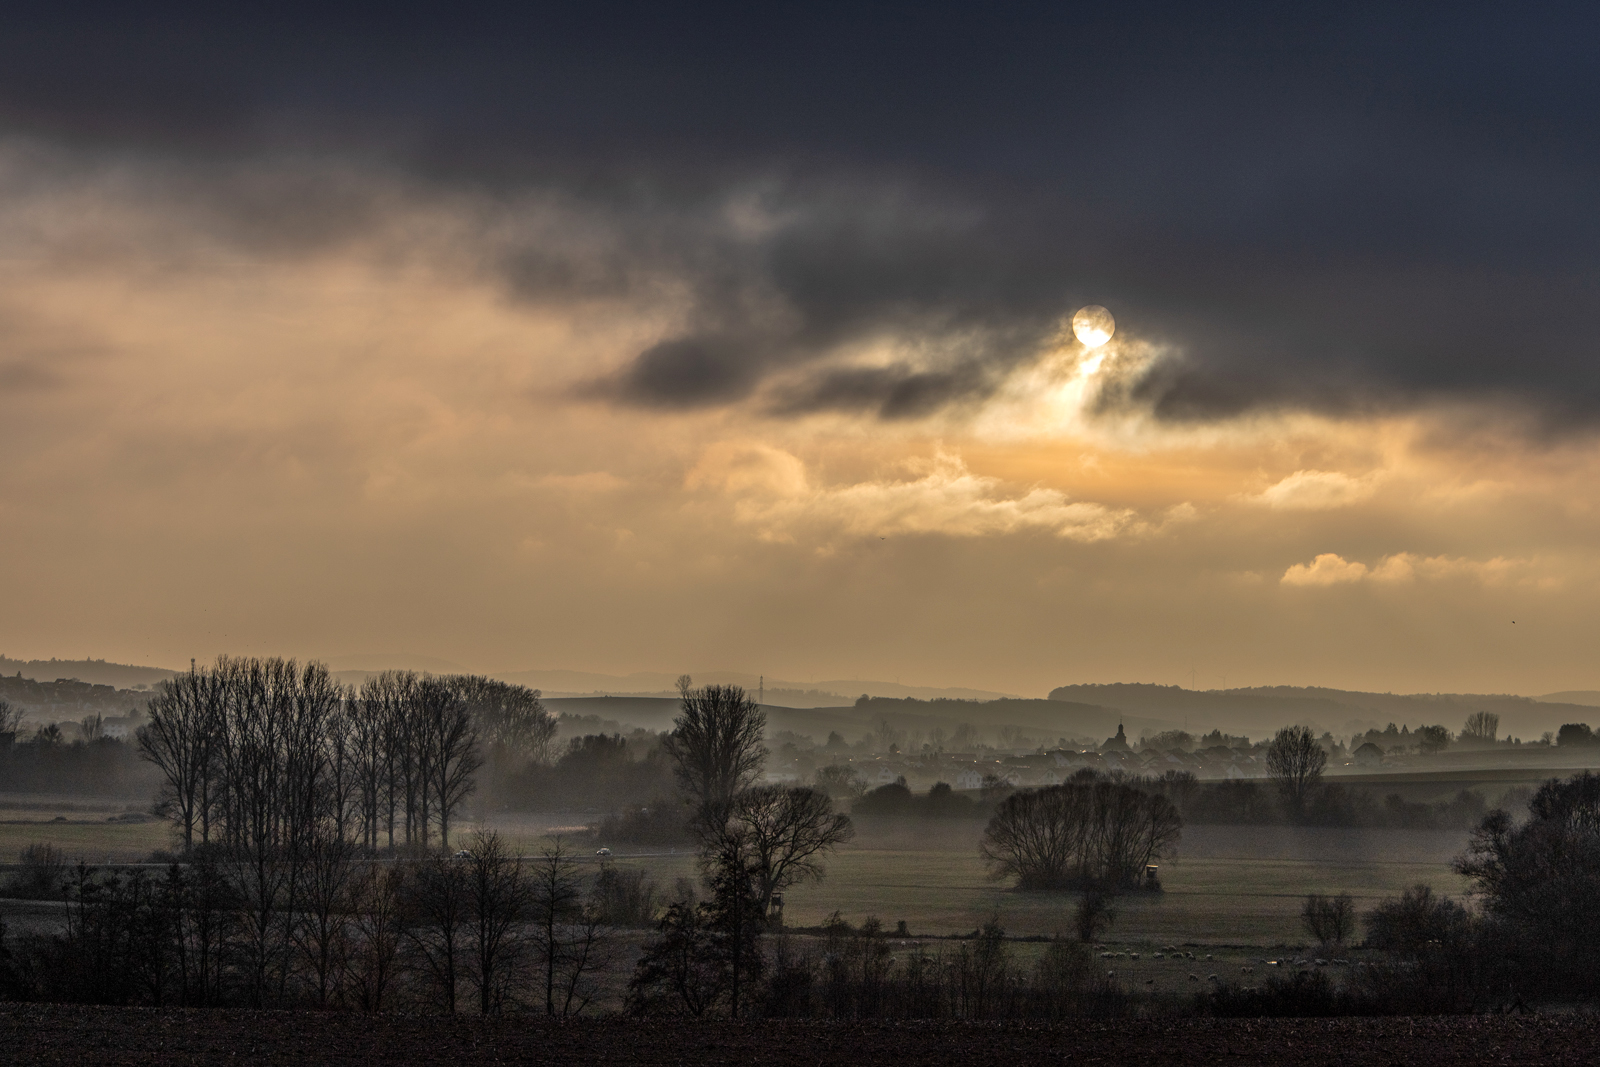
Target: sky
<point x="616" y="338"/>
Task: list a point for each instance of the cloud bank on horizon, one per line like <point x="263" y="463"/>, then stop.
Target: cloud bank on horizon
<point x="618" y="338"/>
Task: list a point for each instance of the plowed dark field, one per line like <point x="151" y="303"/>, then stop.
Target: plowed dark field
<point x="80" y="1037"/>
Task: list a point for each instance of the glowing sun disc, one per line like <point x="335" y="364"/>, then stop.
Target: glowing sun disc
<point x="1093" y="326"/>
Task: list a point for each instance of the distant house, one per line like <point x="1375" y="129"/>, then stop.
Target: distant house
<point x="1118" y="743"/>
<point x="1369" y="755"/>
<point x="969" y="780"/>
<point x="885" y="775"/>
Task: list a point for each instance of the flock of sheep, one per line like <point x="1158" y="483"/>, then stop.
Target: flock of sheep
<point x="1174" y="953"/>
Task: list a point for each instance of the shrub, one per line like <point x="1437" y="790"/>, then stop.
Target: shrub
<point x="1415" y="922"/>
<point x="1300" y="994"/>
<point x="1331" y="920"/>
<point x="43" y="873"/>
<point x="623" y="898"/>
<point x="662" y="822"/>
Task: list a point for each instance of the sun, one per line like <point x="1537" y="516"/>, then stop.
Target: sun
<point x="1093" y="326"/>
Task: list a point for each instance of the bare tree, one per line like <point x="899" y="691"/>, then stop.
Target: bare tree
<point x="371" y="759"/>
<point x="344" y="793"/>
<point x="789" y="830"/>
<point x="1481" y="726"/>
<point x="1040" y="837"/>
<point x="391" y="701"/>
<point x="450" y="741"/>
<point x="1095" y="835"/>
<point x="511" y="721"/>
<point x="395" y="759"/>
<point x="439" y="900"/>
<point x="180" y="739"/>
<point x="499" y="899"/>
<point x="206" y="923"/>
<point x="557" y="907"/>
<point x="1331" y="920"/>
<point x="322" y="926"/>
<point x="1295" y="761"/>
<point x="840" y="780"/>
<point x="10" y="723"/>
<point x="375" y="917"/>
<point x="1131" y="828"/>
<point x="716" y="747"/>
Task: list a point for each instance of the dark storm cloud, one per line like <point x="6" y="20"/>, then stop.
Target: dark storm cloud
<point x="1368" y="207"/>
<point x="898" y="392"/>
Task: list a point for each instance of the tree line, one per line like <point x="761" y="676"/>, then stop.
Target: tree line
<point x="481" y="931"/>
<point x="265" y="755"/>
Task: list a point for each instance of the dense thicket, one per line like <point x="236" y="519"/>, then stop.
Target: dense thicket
<point x="484" y="931"/>
<point x="1247" y="802"/>
<point x="939" y="802"/>
<point x="105" y="767"/>
<point x="595" y="773"/>
<point x="859" y="973"/>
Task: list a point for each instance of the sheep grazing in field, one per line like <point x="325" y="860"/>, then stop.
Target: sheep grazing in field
<point x="1194" y="978"/>
<point x="1157" y="956"/>
<point x="1208" y="959"/>
<point x="1247" y="970"/>
<point x="1212" y="978"/>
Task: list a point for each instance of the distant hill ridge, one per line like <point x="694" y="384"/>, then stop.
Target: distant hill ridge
<point x="1261" y="709"/>
<point x="1586" y="697"/>
<point x="94" y="671"/>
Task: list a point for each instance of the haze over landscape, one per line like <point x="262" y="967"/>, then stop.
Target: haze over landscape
<point x="1078" y="516"/>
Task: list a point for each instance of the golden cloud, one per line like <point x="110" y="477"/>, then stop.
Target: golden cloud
<point x="1311" y="490"/>
<point x="775" y="494"/>
<point x="1329" y="568"/>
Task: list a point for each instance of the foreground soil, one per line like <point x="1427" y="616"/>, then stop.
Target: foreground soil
<point x="37" y="1034"/>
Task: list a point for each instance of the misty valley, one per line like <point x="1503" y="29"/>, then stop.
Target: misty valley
<point x="270" y="834"/>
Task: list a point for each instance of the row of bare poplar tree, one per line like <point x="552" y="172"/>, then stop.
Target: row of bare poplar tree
<point x="263" y="755"/>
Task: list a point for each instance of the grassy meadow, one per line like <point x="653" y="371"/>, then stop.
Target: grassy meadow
<point x="1224" y="886"/>
<point x="1227" y="886"/>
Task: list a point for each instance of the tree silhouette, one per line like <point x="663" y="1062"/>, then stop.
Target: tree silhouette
<point x="715" y="745"/>
<point x="1295" y="761"/>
